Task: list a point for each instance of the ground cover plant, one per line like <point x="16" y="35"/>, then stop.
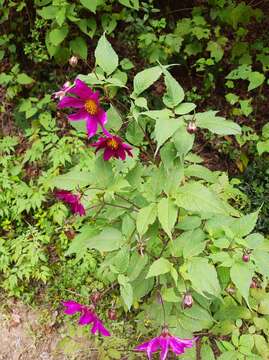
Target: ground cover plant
<point x="134" y="174"/>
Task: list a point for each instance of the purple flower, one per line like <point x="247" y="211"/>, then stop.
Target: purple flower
<point x="71" y="199"/>
<point x="88" y="316"/>
<point x="87" y="103"/>
<point x="61" y="93"/>
<point x="163" y="342"/>
<point x="113" y="147"/>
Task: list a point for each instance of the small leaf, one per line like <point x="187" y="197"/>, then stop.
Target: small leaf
<point x="255" y="80"/>
<point x="79" y="47"/>
<point x="24" y="79"/>
<point x="167" y="214"/>
<point x="105" y="56"/>
<point x="184" y="108"/>
<point x="217" y="124"/>
<point x="159" y="267"/>
<point x="174" y="92"/>
<point x="164" y="129"/>
<point x="146" y="216"/>
<point x="91" y="4"/>
<point x="244" y="225"/>
<point x="144" y="79"/>
<point x="56" y="36"/>
<point x="241" y="276"/>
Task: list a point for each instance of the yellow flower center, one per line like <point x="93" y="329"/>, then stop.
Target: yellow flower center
<point x="113" y="144"/>
<point x="91" y="107"/>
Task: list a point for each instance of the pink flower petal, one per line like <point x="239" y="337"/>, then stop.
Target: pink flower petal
<point x="79" y="115"/>
<point x="69" y="101"/>
<point x="81" y="90"/>
<point x="164" y="343"/>
<point x="101" y="117"/>
<point x="121" y="153"/>
<point x="92" y="126"/>
<point x="98" y="326"/>
<point x="72" y="307"/>
<point x="108" y="153"/>
<point x="86" y="318"/>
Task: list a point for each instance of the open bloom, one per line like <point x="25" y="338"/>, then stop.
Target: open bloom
<point x="163" y="342"/>
<point x="87" y="103"/>
<point x="64" y="89"/>
<point x="88" y="316"/>
<point x="113" y="147"/>
<point x="73" y="200"/>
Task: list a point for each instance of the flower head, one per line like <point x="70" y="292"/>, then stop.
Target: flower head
<point x="88" y="316"/>
<point x="113" y="147"/>
<point x="87" y="103"/>
<point x="64" y="89"/>
<point x="163" y="343"/>
<point x="71" y="199"/>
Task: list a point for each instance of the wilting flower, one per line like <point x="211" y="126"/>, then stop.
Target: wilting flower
<point x="87" y="103"/>
<point x="73" y="61"/>
<point x="163" y="342"/>
<point x="61" y="93"/>
<point x="113" y="147"/>
<point x="88" y="316"/>
<point x="71" y="199"/>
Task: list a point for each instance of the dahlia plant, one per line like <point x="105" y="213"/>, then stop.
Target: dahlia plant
<point x="169" y="231"/>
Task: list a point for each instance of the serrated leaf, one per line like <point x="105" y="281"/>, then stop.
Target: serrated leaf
<point x="217" y="124"/>
<point x="164" y="129"/>
<point x="167" y="214"/>
<point x="244" y="225"/>
<point x="241" y="276"/>
<point x="159" y="267"/>
<point x="174" y="92"/>
<point x="105" y="56"/>
<point x="144" y="79"/>
<point x="203" y="277"/>
<point x="145" y="217"/>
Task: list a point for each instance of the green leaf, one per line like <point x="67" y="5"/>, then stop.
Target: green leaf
<point x="241" y="276"/>
<point x="203" y="277"/>
<point x="261" y="345"/>
<point x="197" y="198"/>
<point x="262" y="147"/>
<point x="144" y="79"/>
<point x="183" y="140"/>
<point x="137" y="265"/>
<point x="114" y="119"/>
<point x="167" y="214"/>
<point x="244" y="225"/>
<point x="201" y="172"/>
<point x="195" y="245"/>
<point x="184" y="108"/>
<point x="24" y="79"/>
<point x="105" y="56"/>
<point x="174" y="92"/>
<point x="79" y="47"/>
<point x="56" y="36"/>
<point x="145" y="217"/>
<point x="133" y="4"/>
<point x="91" y="4"/>
<point x="255" y="80"/>
<point x="159" y="267"/>
<point x="126" y="291"/>
<point x="71" y="180"/>
<point x="216" y="124"/>
<point x="164" y="129"/>
<point x="207" y="353"/>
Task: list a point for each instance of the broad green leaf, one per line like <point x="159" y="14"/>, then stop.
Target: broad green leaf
<point x="105" y="56"/>
<point x="261" y="258"/>
<point x="159" y="267"/>
<point x="133" y="4"/>
<point x="137" y="265"/>
<point x="207" y="352"/>
<point x="265" y="131"/>
<point x="170" y="296"/>
<point x="109" y="239"/>
<point x="184" y="108"/>
<point x="174" y="92"/>
<point x="164" y="129"/>
<point x="195" y="245"/>
<point x="91" y="4"/>
<point x="263" y="146"/>
<point x="203" y="277"/>
<point x="24" y="79"/>
<point x="167" y="214"/>
<point x="126" y="291"/>
<point x="261" y="345"/>
<point x="145" y="217"/>
<point x="48" y="12"/>
<point x="114" y="119"/>
<point x="87" y="26"/>
<point x="201" y="172"/>
<point x="197" y="198"/>
<point x="56" y="36"/>
<point x="144" y="79"/>
<point x="71" y="180"/>
<point x="255" y="80"/>
<point x="79" y="47"/>
<point x="183" y="140"/>
<point x="217" y="124"/>
<point x="241" y="276"/>
<point x="244" y="225"/>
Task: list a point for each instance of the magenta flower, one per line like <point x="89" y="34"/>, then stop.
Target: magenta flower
<point x="61" y="93"/>
<point x="87" y="103"/>
<point x="163" y="342"/>
<point x="71" y="199"/>
<point x="88" y="316"/>
<point x="113" y="147"/>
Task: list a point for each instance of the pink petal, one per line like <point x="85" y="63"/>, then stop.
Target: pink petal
<point x="79" y="115"/>
<point x="142" y="347"/>
<point x="72" y="307"/>
<point x="121" y="153"/>
<point x="108" y="153"/>
<point x="95" y="96"/>
<point x="102" y="117"/>
<point x="86" y="318"/>
<point x="153" y="346"/>
<point x="69" y="101"/>
<point x="92" y="125"/>
<point x="81" y="90"/>
<point x="98" y="326"/>
<point x="176" y="347"/>
<point x="164" y="343"/>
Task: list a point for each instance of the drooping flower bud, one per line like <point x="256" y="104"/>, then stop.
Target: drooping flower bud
<point x="187" y="301"/>
<point x="73" y="61"/>
<point x="95" y="297"/>
<point x="246" y="257"/>
<point x="112" y="314"/>
<point x="254" y="284"/>
<point x="191" y="128"/>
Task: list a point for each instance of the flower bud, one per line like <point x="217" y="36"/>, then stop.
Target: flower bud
<point x="95" y="297"/>
<point x="191" y="128"/>
<point x="231" y="290"/>
<point x="70" y="233"/>
<point x="73" y="61"/>
<point x="112" y="314"/>
<point x="246" y="257"/>
<point x="187" y="301"/>
<point x="254" y="284"/>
